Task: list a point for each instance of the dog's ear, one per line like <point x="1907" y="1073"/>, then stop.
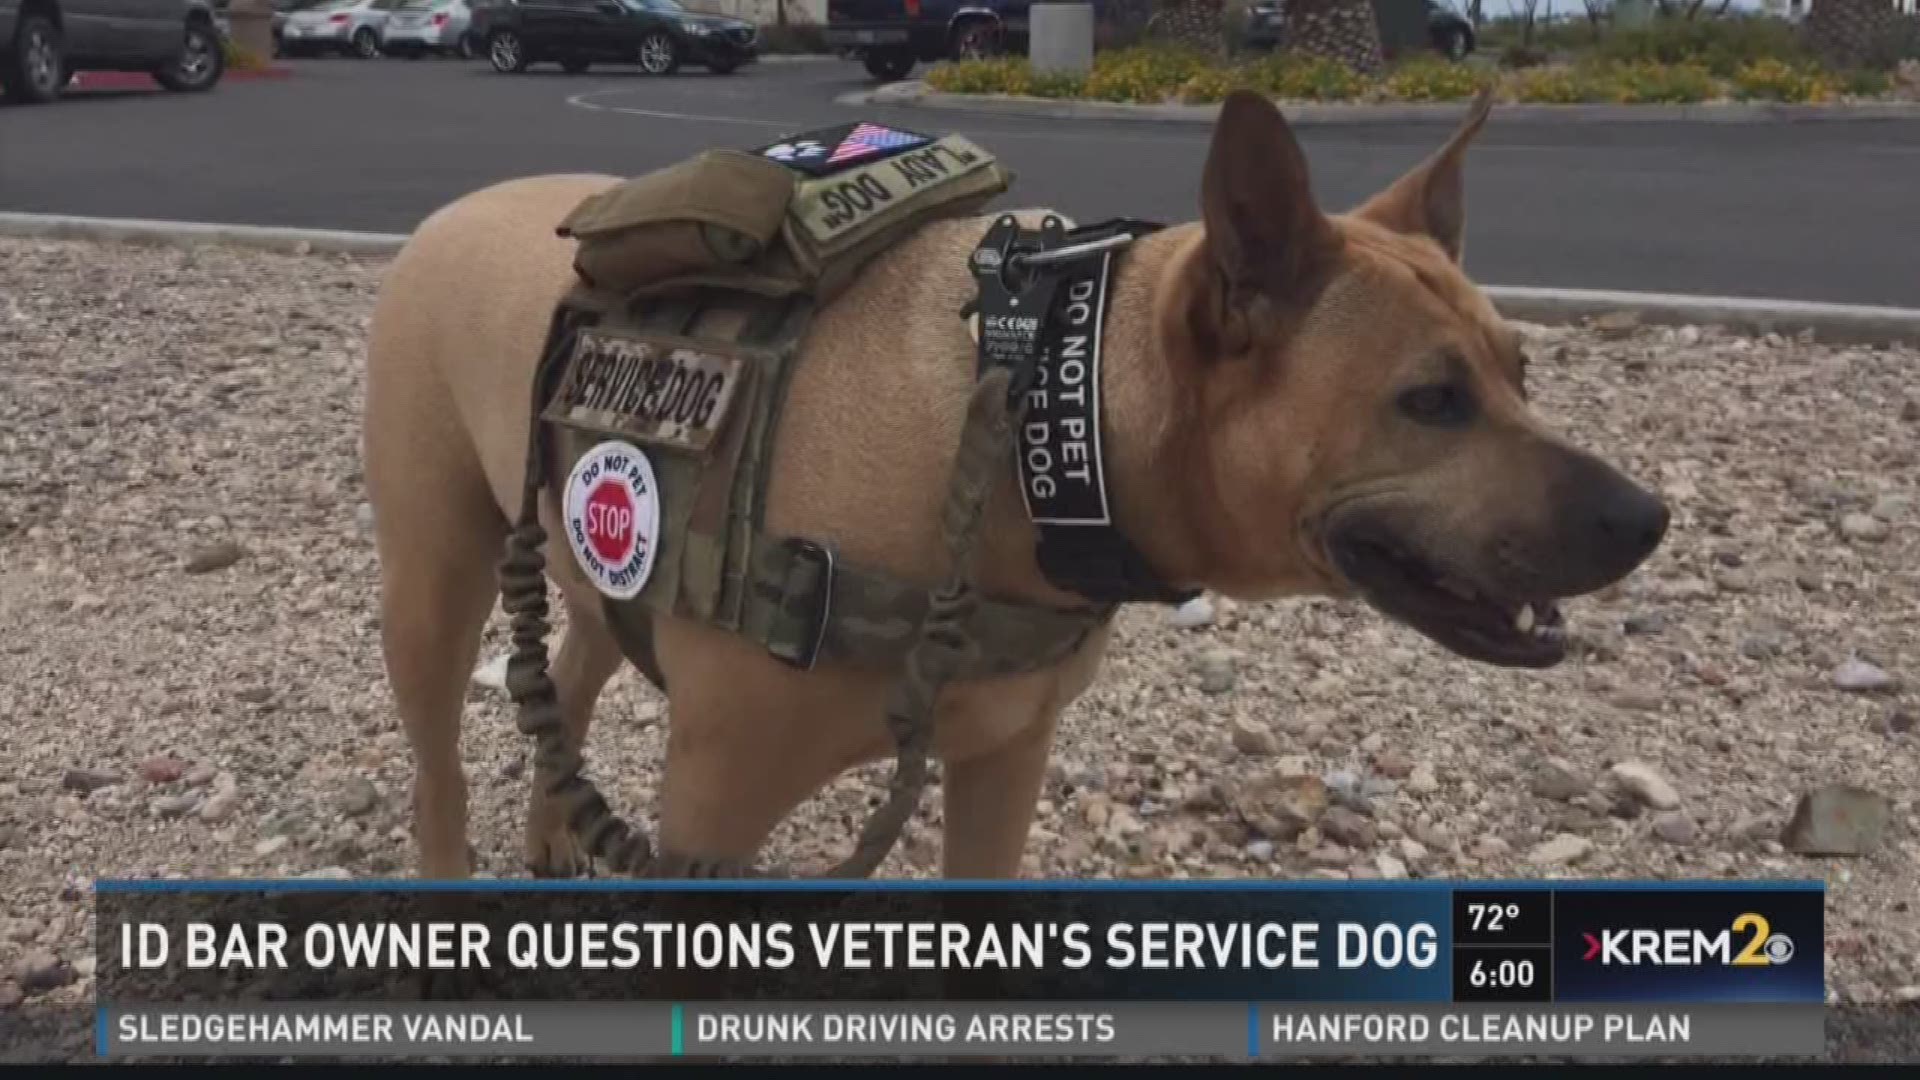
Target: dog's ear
<point x="1431" y="199"/>
<point x="1266" y="237"/>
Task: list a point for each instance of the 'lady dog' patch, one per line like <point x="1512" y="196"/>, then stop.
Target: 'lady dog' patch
<point x="612" y="510"/>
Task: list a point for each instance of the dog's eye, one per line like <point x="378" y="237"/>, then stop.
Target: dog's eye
<point x="1442" y="404"/>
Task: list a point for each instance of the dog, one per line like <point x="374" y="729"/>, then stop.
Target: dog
<point x="1297" y="403"/>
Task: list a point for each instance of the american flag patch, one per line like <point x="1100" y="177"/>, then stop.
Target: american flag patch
<point x="866" y="140"/>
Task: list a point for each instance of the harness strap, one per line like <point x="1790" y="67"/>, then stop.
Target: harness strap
<point x="804" y="606"/>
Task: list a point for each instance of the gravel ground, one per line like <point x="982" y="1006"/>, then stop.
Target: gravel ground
<point x="195" y="688"/>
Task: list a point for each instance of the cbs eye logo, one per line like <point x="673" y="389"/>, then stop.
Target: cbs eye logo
<point x="1764" y="948"/>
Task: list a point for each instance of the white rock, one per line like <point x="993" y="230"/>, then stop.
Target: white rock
<point x="1561" y="850"/>
<point x="1863" y="527"/>
<point x="1390" y="868"/>
<point x="492" y="675"/>
<point x="1192" y="615"/>
<point x="1422" y="781"/>
<point x="1640" y="780"/>
<point x="1860" y="677"/>
<point x="270" y="845"/>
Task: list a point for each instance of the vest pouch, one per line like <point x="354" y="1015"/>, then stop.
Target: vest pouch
<point x="709" y="216"/>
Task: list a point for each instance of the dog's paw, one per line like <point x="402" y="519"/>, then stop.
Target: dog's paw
<point x="552" y="856"/>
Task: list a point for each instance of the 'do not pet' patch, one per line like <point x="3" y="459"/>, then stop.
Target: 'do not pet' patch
<point x="613" y="517"/>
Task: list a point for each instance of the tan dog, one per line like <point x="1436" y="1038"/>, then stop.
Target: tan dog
<point x="1296" y="404"/>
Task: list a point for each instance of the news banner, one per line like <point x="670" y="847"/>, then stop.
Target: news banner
<point x="1240" y="970"/>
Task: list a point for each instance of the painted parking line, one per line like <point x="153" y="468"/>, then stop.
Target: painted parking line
<point x="594" y="101"/>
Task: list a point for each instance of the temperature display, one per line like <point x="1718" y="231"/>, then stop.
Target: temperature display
<point x="1502" y="945"/>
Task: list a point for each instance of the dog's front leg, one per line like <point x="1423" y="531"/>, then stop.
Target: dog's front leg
<point x="990" y="799"/>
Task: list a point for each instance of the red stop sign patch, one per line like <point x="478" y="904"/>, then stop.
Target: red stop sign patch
<point x="612" y="522"/>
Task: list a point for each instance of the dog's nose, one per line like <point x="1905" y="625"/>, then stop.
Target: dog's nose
<point x="1630" y="521"/>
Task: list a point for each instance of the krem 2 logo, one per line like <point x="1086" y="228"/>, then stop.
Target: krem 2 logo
<point x="1751" y="932"/>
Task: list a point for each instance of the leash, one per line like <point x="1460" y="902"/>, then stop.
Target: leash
<point x="1016" y="270"/>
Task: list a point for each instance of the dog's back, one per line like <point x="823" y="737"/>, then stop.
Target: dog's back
<point x="459" y="322"/>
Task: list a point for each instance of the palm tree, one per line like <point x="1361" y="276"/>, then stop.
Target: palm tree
<point x="1198" y="24"/>
<point x="1851" y="33"/>
<point x="1343" y="30"/>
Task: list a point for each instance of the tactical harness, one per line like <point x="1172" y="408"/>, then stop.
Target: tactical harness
<point x="697" y="286"/>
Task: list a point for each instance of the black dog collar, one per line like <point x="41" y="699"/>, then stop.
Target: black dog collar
<point x="1067" y="277"/>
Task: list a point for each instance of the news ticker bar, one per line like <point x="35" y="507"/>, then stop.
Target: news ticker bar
<point x="1591" y="943"/>
<point x="881" y="1030"/>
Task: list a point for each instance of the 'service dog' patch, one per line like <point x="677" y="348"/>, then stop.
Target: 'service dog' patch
<point x="647" y="390"/>
<point x="827" y="150"/>
<point x="612" y="508"/>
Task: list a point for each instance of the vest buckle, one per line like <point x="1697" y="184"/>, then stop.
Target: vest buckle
<point x="806" y="603"/>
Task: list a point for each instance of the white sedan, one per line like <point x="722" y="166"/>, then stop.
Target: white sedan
<point x="420" y="27"/>
<point x="353" y="27"/>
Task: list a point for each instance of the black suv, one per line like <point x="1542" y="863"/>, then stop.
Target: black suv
<point x="658" y="35"/>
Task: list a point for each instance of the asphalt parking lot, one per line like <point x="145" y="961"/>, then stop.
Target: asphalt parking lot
<point x="1817" y="211"/>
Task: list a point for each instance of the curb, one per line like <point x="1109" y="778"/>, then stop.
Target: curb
<point x="137" y="80"/>
<point x="190" y="233"/>
<point x="916" y="95"/>
<point x="1854" y="324"/>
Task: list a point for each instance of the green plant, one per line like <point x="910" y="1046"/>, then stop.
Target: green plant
<point x="1722" y="45"/>
<point x="1213" y="84"/>
<point x="1521" y="56"/>
<point x="1148" y="75"/>
<point x="1554" y="86"/>
<point x="240" y="59"/>
<point x="1863" y="83"/>
<point x="1306" y="78"/>
<point x="1774" y="80"/>
<point x="1648" y="83"/>
<point x="1435" y="80"/>
<point x="980" y="77"/>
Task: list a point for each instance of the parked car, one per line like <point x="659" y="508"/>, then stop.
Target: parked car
<point x="281" y="10"/>
<point x="659" y="35"/>
<point x="891" y="36"/>
<point x="1405" y="25"/>
<point x="342" y="27"/>
<point x="46" y="41"/>
<point x="420" y="27"/>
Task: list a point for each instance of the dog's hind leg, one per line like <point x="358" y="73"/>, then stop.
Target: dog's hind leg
<point x="438" y="533"/>
<point x="588" y="656"/>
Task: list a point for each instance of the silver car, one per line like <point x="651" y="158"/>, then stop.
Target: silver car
<point x="350" y="27"/>
<point x="420" y="27"/>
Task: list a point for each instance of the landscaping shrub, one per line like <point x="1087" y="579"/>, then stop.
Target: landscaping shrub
<point x="1213" y="85"/>
<point x="1306" y="78"/>
<point x="1002" y="76"/>
<point x="1554" y="86"/>
<point x="1143" y="75"/>
<point x="1662" y="84"/>
<point x="239" y="59"/>
<point x="1435" y="80"/>
<point x="1864" y="83"/>
<point x="1774" y="80"/>
<point x="1520" y="56"/>
<point x="1722" y="46"/>
<point x="1154" y="74"/>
